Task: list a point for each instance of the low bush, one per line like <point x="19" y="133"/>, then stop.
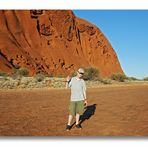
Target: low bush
<point x="23" y="72"/>
<point x="132" y="78"/>
<point x="145" y="79"/>
<point x="118" y="77"/>
<point x="91" y="73"/>
<point x="106" y="81"/>
<point x="3" y="73"/>
<point x="20" y="72"/>
<point x="39" y="77"/>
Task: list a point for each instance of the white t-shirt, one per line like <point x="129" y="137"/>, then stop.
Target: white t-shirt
<point x="78" y="88"/>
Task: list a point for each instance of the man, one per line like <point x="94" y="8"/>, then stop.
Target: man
<point x="78" y="98"/>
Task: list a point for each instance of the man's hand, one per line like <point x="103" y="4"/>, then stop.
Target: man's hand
<point x="85" y="102"/>
<point x="68" y="78"/>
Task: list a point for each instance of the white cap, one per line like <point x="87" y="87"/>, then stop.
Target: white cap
<point x="81" y="70"/>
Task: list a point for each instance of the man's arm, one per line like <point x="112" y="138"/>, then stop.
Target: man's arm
<point x="84" y="94"/>
<point x="68" y="79"/>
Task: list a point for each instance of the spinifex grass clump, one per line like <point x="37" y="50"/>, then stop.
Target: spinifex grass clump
<point x="39" y="77"/>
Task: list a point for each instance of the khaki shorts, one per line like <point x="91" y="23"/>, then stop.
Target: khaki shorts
<point x="76" y="107"/>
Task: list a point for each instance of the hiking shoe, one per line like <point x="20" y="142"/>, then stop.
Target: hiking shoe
<point x="68" y="127"/>
<point x="78" y="126"/>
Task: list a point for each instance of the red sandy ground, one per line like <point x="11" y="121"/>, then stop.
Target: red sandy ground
<point x="43" y="112"/>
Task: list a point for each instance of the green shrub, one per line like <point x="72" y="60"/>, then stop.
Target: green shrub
<point x="73" y="74"/>
<point x="20" y="72"/>
<point x="91" y="73"/>
<point x="3" y="73"/>
<point x="105" y="81"/>
<point x="23" y="72"/>
<point x="118" y="77"/>
<point x="39" y="77"/>
<point x="14" y="71"/>
<point x="145" y="79"/>
<point x="132" y="78"/>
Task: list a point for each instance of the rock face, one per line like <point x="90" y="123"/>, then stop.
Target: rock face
<point x="53" y="42"/>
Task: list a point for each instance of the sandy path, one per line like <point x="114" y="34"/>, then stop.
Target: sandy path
<point x="42" y="112"/>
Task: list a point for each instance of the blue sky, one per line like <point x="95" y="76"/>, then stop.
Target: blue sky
<point x="127" y="31"/>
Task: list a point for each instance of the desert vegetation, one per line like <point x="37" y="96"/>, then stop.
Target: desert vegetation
<point x="118" y="77"/>
<point x="145" y="79"/>
<point x="20" y="79"/>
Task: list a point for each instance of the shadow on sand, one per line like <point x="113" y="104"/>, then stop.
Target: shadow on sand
<point x="89" y="111"/>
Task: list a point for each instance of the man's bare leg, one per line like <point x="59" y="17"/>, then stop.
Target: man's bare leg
<point x="77" y="118"/>
<point x="77" y="121"/>
<point x="70" y="119"/>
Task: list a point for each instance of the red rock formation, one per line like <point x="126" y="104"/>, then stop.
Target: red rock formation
<point x="53" y="42"/>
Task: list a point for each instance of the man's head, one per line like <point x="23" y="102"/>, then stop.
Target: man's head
<point x="80" y="72"/>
